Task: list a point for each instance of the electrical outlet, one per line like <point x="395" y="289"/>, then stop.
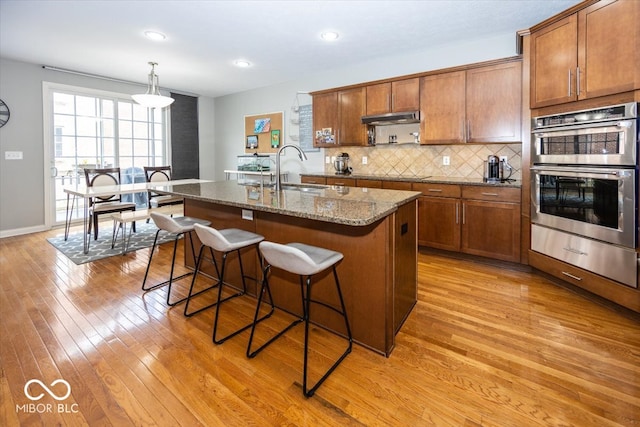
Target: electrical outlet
<point x="503" y="159"/>
<point x="13" y="155"/>
<point x="364" y="160"/>
<point x="327" y="160"/>
<point x="446" y="161"/>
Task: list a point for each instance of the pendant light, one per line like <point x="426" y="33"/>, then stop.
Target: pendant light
<point x="153" y="99"/>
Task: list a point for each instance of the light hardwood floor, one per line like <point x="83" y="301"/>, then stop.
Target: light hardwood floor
<point x="484" y="346"/>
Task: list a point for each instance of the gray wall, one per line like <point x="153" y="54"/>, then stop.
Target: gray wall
<point x="221" y="124"/>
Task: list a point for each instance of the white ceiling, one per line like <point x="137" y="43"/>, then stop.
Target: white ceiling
<point x="280" y="38"/>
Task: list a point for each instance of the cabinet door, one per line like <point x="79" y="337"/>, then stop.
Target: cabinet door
<point x="608" y="52"/>
<point x="494" y="103"/>
<point x="553" y="63"/>
<point x="325" y="115"/>
<point x="491" y="229"/>
<point x="439" y="223"/>
<point x="405" y="95"/>
<point x="442" y="106"/>
<point x="351" y="108"/>
<point x="379" y="98"/>
<point x="306" y="179"/>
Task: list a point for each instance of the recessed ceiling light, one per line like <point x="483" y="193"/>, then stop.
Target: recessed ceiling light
<point x="155" y="35"/>
<point x="329" y="36"/>
<point x="242" y="63"/>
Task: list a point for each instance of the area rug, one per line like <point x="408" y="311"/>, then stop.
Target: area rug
<point x="101" y="248"/>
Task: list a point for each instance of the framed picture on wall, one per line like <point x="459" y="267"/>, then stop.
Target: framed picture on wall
<point x="275" y="138"/>
<point x="252" y="141"/>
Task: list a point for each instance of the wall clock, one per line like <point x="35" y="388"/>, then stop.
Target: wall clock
<point x="4" y="113"/>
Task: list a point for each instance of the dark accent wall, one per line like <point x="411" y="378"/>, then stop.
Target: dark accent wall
<point x="185" y="159"/>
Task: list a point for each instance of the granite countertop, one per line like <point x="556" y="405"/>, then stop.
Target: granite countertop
<point x="422" y="179"/>
<point x="335" y="204"/>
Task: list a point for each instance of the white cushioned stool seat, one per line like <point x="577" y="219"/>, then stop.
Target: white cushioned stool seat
<point x="179" y="226"/>
<point x="299" y="258"/>
<point x="226" y="240"/>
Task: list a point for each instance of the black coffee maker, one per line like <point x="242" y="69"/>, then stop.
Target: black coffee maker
<point x="494" y="169"/>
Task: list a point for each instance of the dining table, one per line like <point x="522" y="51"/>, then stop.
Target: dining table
<point x="85" y="192"/>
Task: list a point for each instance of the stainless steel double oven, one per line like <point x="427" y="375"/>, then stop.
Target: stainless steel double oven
<point x="585" y="188"/>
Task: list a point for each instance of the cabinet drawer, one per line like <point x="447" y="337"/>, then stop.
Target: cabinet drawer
<point x="344" y="182"/>
<point x="397" y="185"/>
<point x="491" y="193"/>
<point x="369" y="183"/>
<point x="437" y="190"/>
<point x="313" y="180"/>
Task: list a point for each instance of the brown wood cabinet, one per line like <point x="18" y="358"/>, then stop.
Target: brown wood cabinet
<point x="341" y="112"/>
<point x="491" y="222"/>
<point x="476" y="220"/>
<point x="400" y="95"/>
<point x="479" y="105"/>
<point x="369" y="183"/>
<point x="588" y="54"/>
<point x="439" y="216"/>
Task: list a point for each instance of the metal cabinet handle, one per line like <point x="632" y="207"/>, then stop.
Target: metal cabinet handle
<point x="434" y="190"/>
<point x="463" y="214"/>
<point x="569" y="81"/>
<point x="572" y="276"/>
<point x="457" y="213"/>
<point x="578" y="82"/>
<point x="489" y="194"/>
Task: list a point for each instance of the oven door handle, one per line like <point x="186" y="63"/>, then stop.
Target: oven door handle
<point x="565" y="170"/>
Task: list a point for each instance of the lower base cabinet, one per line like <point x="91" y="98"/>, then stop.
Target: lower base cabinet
<point x="476" y="220"/>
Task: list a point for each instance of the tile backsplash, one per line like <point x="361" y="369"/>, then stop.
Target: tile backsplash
<point x="466" y="160"/>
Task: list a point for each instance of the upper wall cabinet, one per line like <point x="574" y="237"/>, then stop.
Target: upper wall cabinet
<point x="588" y="54"/>
<point x="337" y="114"/>
<point x="400" y="95"/>
<point x="479" y="105"/>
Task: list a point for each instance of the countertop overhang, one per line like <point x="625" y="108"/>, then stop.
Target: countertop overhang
<point x="334" y="204"/>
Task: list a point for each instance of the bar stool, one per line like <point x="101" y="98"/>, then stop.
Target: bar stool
<point x="305" y="261"/>
<point x="178" y="226"/>
<point x="225" y="242"/>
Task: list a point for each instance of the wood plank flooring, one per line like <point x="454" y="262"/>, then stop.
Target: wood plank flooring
<point x="484" y="346"/>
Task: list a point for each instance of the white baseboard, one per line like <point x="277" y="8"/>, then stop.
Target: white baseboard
<point x="21" y="231"/>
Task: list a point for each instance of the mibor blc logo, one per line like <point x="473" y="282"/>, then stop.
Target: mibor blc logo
<point x="36" y="390"/>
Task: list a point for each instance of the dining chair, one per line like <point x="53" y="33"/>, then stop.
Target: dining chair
<point x="107" y="204"/>
<point x="160" y="174"/>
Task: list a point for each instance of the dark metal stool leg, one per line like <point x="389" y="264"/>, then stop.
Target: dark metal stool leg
<point x="265" y="289"/>
<point x="220" y="301"/>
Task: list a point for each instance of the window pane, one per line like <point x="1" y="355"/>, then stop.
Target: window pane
<point x="125" y="129"/>
<point x="63" y="103"/>
<point x="86" y="106"/>
<point x="125" y="110"/>
<point x="141" y="147"/>
<point x="87" y="149"/>
<point x="140" y="130"/>
<point x="64" y="125"/>
<point x="108" y="128"/>
<point x="108" y="108"/>
<point x="87" y="126"/>
<point x="140" y="113"/>
<point x="126" y="147"/>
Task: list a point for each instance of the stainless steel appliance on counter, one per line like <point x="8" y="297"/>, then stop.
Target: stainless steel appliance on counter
<point x="341" y="164"/>
<point x="584" y="190"/>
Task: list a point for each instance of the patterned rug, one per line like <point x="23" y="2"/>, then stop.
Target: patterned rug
<point x="101" y="248"/>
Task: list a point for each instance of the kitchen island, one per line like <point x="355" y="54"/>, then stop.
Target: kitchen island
<point x="375" y="229"/>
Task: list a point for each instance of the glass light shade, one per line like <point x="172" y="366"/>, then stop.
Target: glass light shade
<point x="152" y="101"/>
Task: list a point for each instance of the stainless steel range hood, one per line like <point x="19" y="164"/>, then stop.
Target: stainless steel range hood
<point x="400" y="118"/>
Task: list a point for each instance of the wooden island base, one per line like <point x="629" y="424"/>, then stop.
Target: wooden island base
<point x="378" y="274"/>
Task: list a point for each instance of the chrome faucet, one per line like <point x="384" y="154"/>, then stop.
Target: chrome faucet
<point x="280" y="150"/>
